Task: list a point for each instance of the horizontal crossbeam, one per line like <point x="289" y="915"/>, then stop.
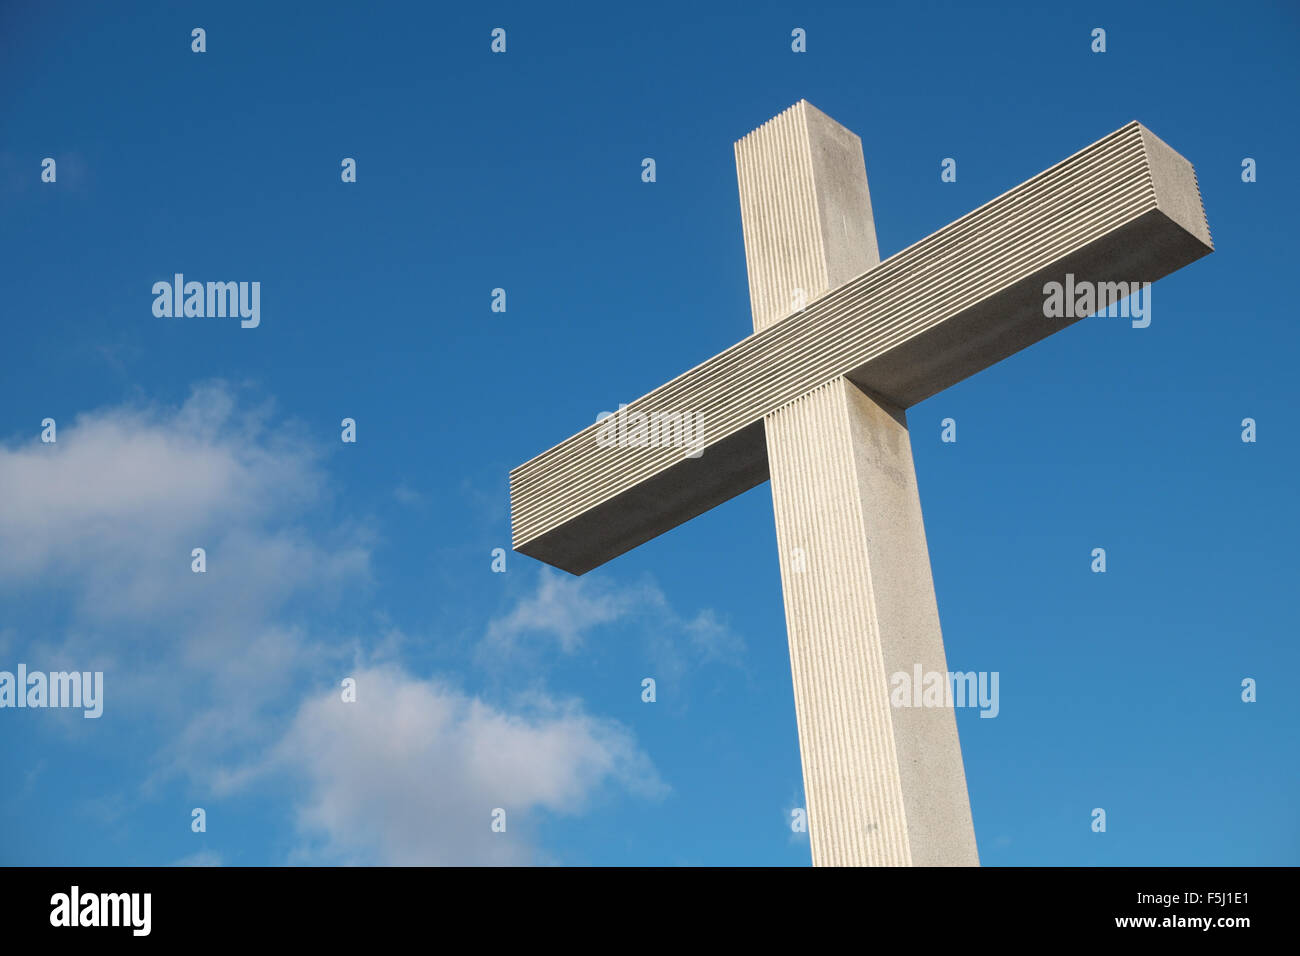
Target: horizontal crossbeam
<point x="1125" y="209"/>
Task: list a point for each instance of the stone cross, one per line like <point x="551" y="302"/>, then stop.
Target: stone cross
<point x="815" y="400"/>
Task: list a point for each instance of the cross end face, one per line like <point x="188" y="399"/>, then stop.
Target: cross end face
<point x="1178" y="192"/>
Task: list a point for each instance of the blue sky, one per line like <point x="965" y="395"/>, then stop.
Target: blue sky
<point x="372" y="560"/>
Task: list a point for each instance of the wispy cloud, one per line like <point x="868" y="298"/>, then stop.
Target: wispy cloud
<point x="566" y="609"/>
<point x="226" y="668"/>
<point x="563" y="611"/>
<point x="202" y="858"/>
<point x="408" y="496"/>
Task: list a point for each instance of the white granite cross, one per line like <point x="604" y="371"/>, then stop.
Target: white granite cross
<point x="814" y="400"/>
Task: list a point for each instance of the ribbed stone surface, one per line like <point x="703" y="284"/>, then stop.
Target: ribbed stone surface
<point x="852" y="783"/>
<point x="1124" y="209"/>
<point x="885" y="786"/>
<point x="791" y="171"/>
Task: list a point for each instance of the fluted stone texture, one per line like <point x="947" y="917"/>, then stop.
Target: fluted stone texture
<point x="885" y="786"/>
<point x="807" y="220"/>
<point x="882" y="788"/>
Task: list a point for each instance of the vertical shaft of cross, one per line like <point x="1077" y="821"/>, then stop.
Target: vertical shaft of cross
<point x="884" y="785"/>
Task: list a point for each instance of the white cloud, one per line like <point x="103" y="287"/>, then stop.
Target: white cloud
<point x="411" y="772"/>
<point x="125" y="494"/>
<point x="102" y="523"/>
